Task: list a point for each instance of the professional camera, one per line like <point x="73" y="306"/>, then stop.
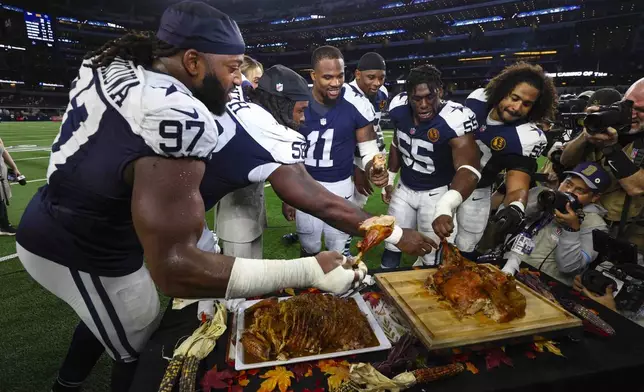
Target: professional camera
<point x="617" y="115"/>
<point x="549" y="200"/>
<point x="11" y="176"/>
<point x="616" y="265"/>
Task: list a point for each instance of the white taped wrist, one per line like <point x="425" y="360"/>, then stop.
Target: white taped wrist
<point x="519" y="205"/>
<point x="470" y="168"/>
<point x="448" y="203"/>
<point x="512" y="266"/>
<point x="392" y="177"/>
<point x="395" y="236"/>
<point x="250" y="278"/>
<point x="368" y="150"/>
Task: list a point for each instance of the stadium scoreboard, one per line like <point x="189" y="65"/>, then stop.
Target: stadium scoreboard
<point x="39" y="27"/>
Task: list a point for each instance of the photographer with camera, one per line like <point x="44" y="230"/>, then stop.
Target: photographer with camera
<point x="614" y="136"/>
<point x="6" y="163"/>
<point x="557" y="238"/>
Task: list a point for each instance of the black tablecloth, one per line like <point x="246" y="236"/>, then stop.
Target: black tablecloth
<point x="590" y="364"/>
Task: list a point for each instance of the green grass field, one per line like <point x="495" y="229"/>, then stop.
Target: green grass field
<point x="36" y="326"/>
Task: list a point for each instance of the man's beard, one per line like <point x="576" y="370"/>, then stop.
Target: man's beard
<point x="212" y="94"/>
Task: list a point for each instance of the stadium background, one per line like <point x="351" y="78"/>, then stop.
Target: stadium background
<point x="582" y="44"/>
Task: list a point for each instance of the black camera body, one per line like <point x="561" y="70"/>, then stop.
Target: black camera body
<point x="550" y="200"/>
<point x="22" y="180"/>
<point x="597" y="282"/>
<point x="617" y="115"/>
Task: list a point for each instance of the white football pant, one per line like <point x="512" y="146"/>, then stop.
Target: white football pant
<point x="415" y="210"/>
<point x="310" y="228"/>
<point x="472" y="216"/>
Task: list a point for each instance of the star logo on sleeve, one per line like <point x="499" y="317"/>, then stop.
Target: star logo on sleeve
<point x="459" y="108"/>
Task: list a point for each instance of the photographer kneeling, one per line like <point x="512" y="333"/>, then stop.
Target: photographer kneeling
<point x="558" y="237"/>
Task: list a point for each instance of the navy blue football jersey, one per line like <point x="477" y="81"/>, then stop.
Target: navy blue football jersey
<point x="379" y="103"/>
<point x="503" y="146"/>
<point x="425" y="150"/>
<point x="252" y="144"/>
<point x="331" y="136"/>
<point x="82" y="217"/>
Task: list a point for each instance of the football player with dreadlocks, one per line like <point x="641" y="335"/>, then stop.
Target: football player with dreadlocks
<point x="508" y="110"/>
<point x="123" y="182"/>
<point x="436" y="152"/>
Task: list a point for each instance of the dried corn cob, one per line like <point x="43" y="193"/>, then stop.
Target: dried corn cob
<point x="437" y="372"/>
<point x="535" y="284"/>
<point x="171" y="373"/>
<point x="189" y="374"/>
<point x="589" y="316"/>
<point x="193" y="350"/>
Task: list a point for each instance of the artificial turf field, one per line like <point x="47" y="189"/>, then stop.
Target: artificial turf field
<point x="35" y="326"/>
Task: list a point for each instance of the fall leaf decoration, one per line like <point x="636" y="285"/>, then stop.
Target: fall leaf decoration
<point x="372" y="297"/>
<point x="495" y="356"/>
<point x="548" y="345"/>
<point x="214" y="379"/>
<point x="469" y="366"/>
<point x="530" y="354"/>
<point x="302" y="370"/>
<point x="338" y="372"/>
<point x="289" y="291"/>
<point x="278" y="377"/>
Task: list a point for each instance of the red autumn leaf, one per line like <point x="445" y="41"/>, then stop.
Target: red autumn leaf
<point x="252" y="372"/>
<point x="495" y="357"/>
<point x="372" y="297"/>
<point x="530" y="354"/>
<point x="313" y="290"/>
<point x="302" y="370"/>
<point x="464" y="357"/>
<point x="236" y="388"/>
<point x="214" y="379"/>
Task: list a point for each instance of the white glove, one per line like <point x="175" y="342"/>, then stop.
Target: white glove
<point x="511" y="267"/>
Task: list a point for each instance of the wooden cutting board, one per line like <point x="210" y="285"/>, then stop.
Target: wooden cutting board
<point x="438" y="326"/>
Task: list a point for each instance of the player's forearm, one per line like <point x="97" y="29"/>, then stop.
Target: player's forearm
<point x="573" y="151"/>
<point x="187" y="272"/>
<point x="393" y="161"/>
<point x="9" y="161"/>
<point x="634" y="185"/>
<point x="338" y="213"/>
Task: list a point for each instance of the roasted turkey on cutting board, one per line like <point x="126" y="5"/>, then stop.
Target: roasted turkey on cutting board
<point x="470" y="288"/>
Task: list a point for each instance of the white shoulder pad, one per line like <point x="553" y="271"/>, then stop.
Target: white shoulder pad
<point x="360" y="102"/>
<point x="398" y="100"/>
<point x="384" y="90"/>
<point x="459" y="118"/>
<point x="175" y="124"/>
<point x="532" y="139"/>
<point x="275" y="138"/>
<point x="478" y="94"/>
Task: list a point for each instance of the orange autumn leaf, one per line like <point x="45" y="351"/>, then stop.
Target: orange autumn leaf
<point x="325" y="364"/>
<point x="471" y="368"/>
<point x="243" y="382"/>
<point x="253" y="372"/>
<point x="290" y="291"/>
<point x="338" y="375"/>
<point x="276" y="377"/>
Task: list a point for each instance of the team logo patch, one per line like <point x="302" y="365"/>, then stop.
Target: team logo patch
<point x="382" y="105"/>
<point x="558" y="231"/>
<point x="323" y="121"/>
<point x="589" y="170"/>
<point x="433" y="135"/>
<point x="279" y="87"/>
<point x="412" y="131"/>
<point x="498" y="143"/>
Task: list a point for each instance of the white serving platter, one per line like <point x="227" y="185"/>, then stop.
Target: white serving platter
<point x="383" y="342"/>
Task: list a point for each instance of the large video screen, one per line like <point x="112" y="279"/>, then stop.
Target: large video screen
<point x="39" y="27"/>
